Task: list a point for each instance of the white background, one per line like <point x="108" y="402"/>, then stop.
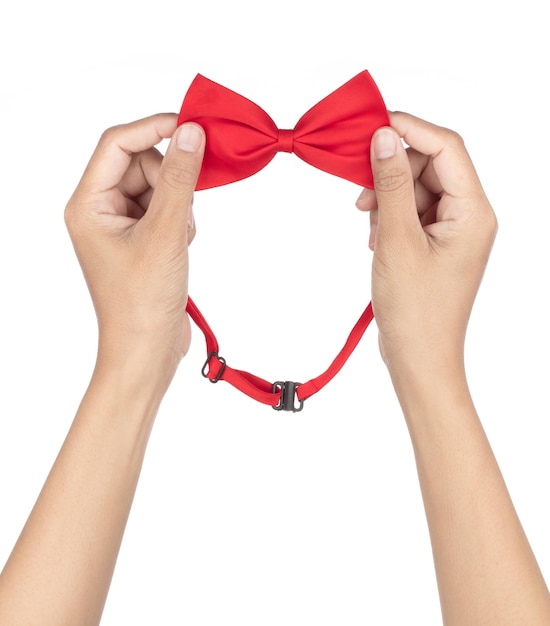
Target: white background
<point x="244" y="515"/>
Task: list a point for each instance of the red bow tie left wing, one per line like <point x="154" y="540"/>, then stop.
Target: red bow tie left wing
<point x="241" y="138"/>
<point x="333" y="136"/>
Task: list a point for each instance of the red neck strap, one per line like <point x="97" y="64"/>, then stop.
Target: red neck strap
<point x="281" y="395"/>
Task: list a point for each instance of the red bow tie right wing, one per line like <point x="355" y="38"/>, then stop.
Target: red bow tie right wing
<point x="333" y="136"/>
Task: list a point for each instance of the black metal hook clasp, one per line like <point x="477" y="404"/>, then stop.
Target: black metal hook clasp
<point x="287" y="401"/>
<point x="206" y="367"/>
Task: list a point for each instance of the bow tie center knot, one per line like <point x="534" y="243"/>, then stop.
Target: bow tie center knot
<point x="285" y="141"/>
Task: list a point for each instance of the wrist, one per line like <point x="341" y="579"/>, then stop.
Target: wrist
<point x="428" y="382"/>
<point x="154" y="348"/>
<point x="140" y="372"/>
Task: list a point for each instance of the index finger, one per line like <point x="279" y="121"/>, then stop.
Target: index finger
<point x="451" y="161"/>
<point x="113" y="153"/>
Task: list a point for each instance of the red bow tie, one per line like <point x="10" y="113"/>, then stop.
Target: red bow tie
<point x="241" y="138"/>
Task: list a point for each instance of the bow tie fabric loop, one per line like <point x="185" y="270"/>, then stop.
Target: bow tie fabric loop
<point x="241" y="138"/>
<point x="285" y="141"/>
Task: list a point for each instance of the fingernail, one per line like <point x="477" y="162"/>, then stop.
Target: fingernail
<point x="362" y="195"/>
<point x="188" y="138"/>
<point x="385" y="145"/>
<point x="372" y="237"/>
<point x="190" y="218"/>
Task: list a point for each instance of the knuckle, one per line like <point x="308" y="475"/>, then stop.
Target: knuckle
<point x="492" y="224"/>
<point x="178" y="176"/>
<point x="109" y="135"/>
<point x="454" y="139"/>
<point x="69" y="216"/>
<point x="391" y="180"/>
<point x="481" y="218"/>
<point x="77" y="216"/>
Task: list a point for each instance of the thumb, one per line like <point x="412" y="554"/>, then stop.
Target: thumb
<point x="179" y="171"/>
<point x="393" y="185"/>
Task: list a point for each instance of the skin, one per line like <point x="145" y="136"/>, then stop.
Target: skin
<point x="130" y="221"/>
<point x="432" y="228"/>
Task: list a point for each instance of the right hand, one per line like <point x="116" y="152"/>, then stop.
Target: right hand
<point x="432" y="230"/>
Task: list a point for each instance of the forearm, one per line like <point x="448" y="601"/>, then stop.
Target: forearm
<point x="486" y="571"/>
<point x="61" y="567"/>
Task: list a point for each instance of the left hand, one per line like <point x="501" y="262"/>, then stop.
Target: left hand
<point x="131" y="221"/>
<point x="432" y="229"/>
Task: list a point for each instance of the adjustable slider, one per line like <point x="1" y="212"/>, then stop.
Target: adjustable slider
<point x="222" y="362"/>
<point x="288" y="394"/>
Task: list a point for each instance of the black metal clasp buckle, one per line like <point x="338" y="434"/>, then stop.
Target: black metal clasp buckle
<point x="288" y="394"/>
<point x="206" y="367"/>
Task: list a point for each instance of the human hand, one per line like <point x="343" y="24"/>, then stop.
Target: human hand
<point x="432" y="229"/>
<point x="130" y="220"/>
